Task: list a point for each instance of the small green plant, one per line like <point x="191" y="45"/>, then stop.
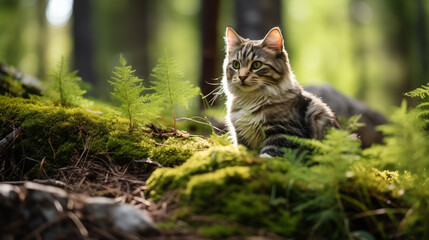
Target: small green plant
<point x="63" y="88"/>
<point x="421" y="92"/>
<point x="128" y="89"/>
<point x="423" y="108"/>
<point x="170" y="89"/>
<point x="352" y="123"/>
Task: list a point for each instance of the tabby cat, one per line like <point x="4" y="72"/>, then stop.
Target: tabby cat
<point x="264" y="101"/>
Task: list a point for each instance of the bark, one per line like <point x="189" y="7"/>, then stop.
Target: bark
<point x="138" y="35"/>
<point x="83" y="35"/>
<point x="208" y="82"/>
<point x="254" y="18"/>
<point x="42" y="38"/>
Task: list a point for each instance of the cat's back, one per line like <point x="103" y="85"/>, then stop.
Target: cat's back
<point x="319" y="116"/>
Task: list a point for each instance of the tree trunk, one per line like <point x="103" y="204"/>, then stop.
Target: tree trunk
<point x="254" y="18"/>
<point x="138" y="35"/>
<point x="83" y="35"/>
<point x="422" y="42"/>
<point x="409" y="42"/>
<point x="208" y="82"/>
<point x="42" y="38"/>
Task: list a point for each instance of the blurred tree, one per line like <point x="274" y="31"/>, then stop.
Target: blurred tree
<point x="359" y="14"/>
<point x="83" y="35"/>
<point x="254" y="18"/>
<point x="139" y="32"/>
<point x="421" y="26"/>
<point x="422" y="40"/>
<point x="12" y="23"/>
<point x="409" y="42"/>
<point x="125" y="27"/>
<point x="42" y="40"/>
<point x="209" y="16"/>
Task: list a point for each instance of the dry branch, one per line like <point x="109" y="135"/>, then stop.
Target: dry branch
<point x="9" y="139"/>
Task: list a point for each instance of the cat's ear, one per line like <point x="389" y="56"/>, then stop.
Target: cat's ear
<point x="232" y="39"/>
<point x="274" y="40"/>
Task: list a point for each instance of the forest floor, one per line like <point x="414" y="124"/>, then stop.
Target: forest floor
<point x="98" y="176"/>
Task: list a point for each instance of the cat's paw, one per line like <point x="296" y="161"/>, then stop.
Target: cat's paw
<point x="265" y="155"/>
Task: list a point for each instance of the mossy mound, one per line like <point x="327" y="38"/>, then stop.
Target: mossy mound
<point x="59" y="135"/>
<point x="53" y="132"/>
<point x="227" y="191"/>
<point x="175" y="151"/>
<point x="17" y="84"/>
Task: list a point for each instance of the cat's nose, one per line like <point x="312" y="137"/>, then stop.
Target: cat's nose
<point x="242" y="78"/>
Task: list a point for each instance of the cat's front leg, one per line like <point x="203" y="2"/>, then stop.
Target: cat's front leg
<point x="272" y="145"/>
<point x="265" y="155"/>
<point x="275" y="139"/>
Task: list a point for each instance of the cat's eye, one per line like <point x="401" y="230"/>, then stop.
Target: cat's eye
<point x="235" y="64"/>
<point x="256" y="64"/>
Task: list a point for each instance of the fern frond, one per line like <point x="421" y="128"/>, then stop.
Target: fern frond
<point x="421" y="92"/>
<point x="406" y="140"/>
<point x="128" y="90"/>
<point x="295" y="155"/>
<point x="423" y="111"/>
<point x="169" y="87"/>
<point x="305" y="142"/>
<point x="63" y="88"/>
<point x="352" y="123"/>
<point x="423" y="108"/>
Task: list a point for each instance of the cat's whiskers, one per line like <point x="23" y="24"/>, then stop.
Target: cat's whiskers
<point x="219" y="90"/>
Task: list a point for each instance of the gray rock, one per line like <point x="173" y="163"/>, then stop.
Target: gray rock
<point x="49" y="212"/>
<point x="347" y="107"/>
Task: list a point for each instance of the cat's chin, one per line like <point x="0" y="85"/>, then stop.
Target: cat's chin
<point x="247" y="88"/>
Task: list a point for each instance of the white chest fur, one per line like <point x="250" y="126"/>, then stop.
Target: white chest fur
<point x="248" y="126"/>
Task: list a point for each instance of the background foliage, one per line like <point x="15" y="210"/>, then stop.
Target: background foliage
<point x="372" y="50"/>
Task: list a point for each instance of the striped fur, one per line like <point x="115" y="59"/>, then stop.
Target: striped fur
<point x="267" y="103"/>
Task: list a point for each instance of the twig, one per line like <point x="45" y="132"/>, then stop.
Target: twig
<point x="103" y="233"/>
<point x="44" y="226"/>
<point x="149" y="161"/>
<point x="78" y="223"/>
<point x="14" y="225"/>
<point x="86" y="148"/>
<point x="52" y="148"/>
<point x="52" y="182"/>
<point x="9" y="139"/>
<point x="39" y="172"/>
<point x="402" y="223"/>
<point x="31" y="159"/>
<point x="380" y="211"/>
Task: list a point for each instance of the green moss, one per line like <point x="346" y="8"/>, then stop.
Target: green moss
<point x="201" y="162"/>
<point x="12" y="85"/>
<point x="125" y="145"/>
<point x="230" y="188"/>
<point x="59" y="134"/>
<point x="175" y="151"/>
<point x="220" y="231"/>
<point x="230" y="185"/>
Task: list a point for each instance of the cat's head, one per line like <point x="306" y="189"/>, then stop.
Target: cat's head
<point x="256" y="65"/>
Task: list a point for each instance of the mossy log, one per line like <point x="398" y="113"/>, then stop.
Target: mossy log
<point x="60" y="135"/>
<point x="15" y="83"/>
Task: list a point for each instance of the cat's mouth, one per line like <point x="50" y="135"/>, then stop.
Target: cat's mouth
<point x="246" y="87"/>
